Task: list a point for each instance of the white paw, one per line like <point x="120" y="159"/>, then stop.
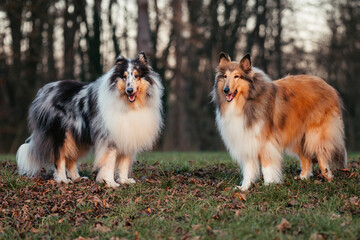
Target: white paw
<point x="79" y="179"/>
<point x="272" y="181"/>
<point x="329" y="175"/>
<point x="112" y="184"/>
<point x="62" y="180"/>
<point x="108" y="182"/>
<point x="305" y="176"/>
<point x="126" y="180"/>
<point x="74" y="178"/>
<point x="244" y="187"/>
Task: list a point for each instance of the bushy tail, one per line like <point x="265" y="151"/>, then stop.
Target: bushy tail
<point x="28" y="164"/>
<point x="328" y="143"/>
<point x="338" y="151"/>
<point x="339" y="158"/>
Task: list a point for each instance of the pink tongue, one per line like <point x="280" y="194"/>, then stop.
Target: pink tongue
<point x="132" y="97"/>
<point x="229" y="97"/>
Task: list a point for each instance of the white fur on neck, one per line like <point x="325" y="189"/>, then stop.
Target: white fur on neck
<point x="242" y="142"/>
<point x="132" y="130"/>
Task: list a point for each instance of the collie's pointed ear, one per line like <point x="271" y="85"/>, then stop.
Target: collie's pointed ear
<point x="224" y="58"/>
<point x="245" y="63"/>
<point x="142" y="58"/>
<point x="120" y="60"/>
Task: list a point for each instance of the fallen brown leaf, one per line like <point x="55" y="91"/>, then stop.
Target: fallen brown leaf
<point x="102" y="229"/>
<point x="316" y="236"/>
<point x="283" y="226"/>
<point x="195" y="238"/>
<point x="354" y="200"/>
<point x="35" y="230"/>
<point x="196" y="226"/>
<point x="335" y="216"/>
<point x="209" y="230"/>
<point x="293" y="203"/>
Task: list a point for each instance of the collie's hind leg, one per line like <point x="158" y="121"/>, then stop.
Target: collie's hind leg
<point x="71" y="152"/>
<point x="271" y="164"/>
<point x="327" y="142"/>
<point x="250" y="171"/>
<point x="72" y="170"/>
<point x="60" y="171"/>
<point x="322" y="149"/>
<point x="106" y="167"/>
<point x="323" y="160"/>
<point x="306" y="167"/>
<point x="124" y="166"/>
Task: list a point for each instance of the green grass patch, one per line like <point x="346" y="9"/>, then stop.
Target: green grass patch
<point x="181" y="196"/>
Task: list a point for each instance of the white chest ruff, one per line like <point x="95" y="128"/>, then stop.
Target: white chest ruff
<point x="132" y="130"/>
<point x="242" y="142"/>
<point x="135" y="130"/>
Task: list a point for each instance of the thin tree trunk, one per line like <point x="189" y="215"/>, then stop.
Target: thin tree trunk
<point x="14" y="12"/>
<point x="144" y="35"/>
<point x="154" y="36"/>
<point x="113" y="29"/>
<point x="70" y="27"/>
<point x="93" y="40"/>
<point x="262" y="22"/>
<point x="52" y="73"/>
<point x="278" y="38"/>
<point x="176" y="135"/>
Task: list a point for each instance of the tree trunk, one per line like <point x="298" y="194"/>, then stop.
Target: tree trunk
<point x="14" y="11"/>
<point x="70" y="27"/>
<point x="93" y="40"/>
<point x="28" y="87"/>
<point x="278" y="38"/>
<point x="113" y="29"/>
<point x="176" y="137"/>
<point x="52" y="73"/>
<point x="144" y="35"/>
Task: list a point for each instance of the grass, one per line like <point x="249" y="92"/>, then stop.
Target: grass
<point x="181" y="196"/>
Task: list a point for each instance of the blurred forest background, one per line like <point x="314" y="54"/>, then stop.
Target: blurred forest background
<point x="43" y="41"/>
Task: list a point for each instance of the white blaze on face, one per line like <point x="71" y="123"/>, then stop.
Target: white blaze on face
<point x="131" y="83"/>
<point x="130" y="76"/>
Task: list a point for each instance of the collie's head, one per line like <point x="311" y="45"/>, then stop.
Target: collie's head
<point x="135" y="81"/>
<point x="236" y="80"/>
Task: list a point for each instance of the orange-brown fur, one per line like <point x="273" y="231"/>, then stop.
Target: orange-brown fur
<point x="71" y="152"/>
<point x="299" y="113"/>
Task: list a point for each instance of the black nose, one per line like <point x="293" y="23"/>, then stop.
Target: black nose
<point x="226" y="90"/>
<point x="129" y="90"/>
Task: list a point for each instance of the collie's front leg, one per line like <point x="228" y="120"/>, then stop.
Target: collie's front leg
<point x="271" y="163"/>
<point x="60" y="171"/>
<point x="107" y="168"/>
<point x="250" y="171"/>
<point x="72" y="170"/>
<point x="124" y="167"/>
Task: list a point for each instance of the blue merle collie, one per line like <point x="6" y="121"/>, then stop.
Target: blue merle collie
<point x="120" y="115"/>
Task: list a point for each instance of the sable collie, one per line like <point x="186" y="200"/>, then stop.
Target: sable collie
<point x="259" y="119"/>
<point x="120" y="114"/>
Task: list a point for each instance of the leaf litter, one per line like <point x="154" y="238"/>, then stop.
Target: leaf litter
<point x="30" y="202"/>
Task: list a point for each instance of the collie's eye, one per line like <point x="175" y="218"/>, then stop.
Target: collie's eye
<point x="225" y="76"/>
<point x="136" y="76"/>
<point x="124" y="77"/>
<point x="237" y="76"/>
